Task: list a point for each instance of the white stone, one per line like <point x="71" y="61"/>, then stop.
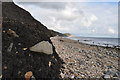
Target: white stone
<point x="107" y="76"/>
<point x="72" y="76"/>
<point x="43" y="46"/>
<point x="62" y="75"/>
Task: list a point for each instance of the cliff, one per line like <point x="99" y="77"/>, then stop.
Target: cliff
<point x="20" y="31"/>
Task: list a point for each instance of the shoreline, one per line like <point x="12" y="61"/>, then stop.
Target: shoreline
<point x="85" y="61"/>
<point x="91" y="42"/>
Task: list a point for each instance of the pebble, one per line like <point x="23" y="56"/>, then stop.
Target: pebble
<point x="83" y="75"/>
<point x="28" y="75"/>
<point x="86" y="61"/>
<point x="12" y="33"/>
<point x="19" y="44"/>
<point x="62" y="75"/>
<point x="3" y="31"/>
<point x="24" y="49"/>
<point x="106" y="76"/>
<point x="16" y="52"/>
<point x="19" y="72"/>
<point x="5" y="67"/>
<point x="49" y="64"/>
<point x="29" y="55"/>
<point x="72" y="77"/>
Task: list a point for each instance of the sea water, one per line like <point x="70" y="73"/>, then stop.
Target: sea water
<point x="107" y="42"/>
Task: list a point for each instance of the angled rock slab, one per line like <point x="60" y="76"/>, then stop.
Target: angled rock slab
<point x="43" y="46"/>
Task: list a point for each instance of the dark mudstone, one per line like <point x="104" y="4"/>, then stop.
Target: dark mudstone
<point x="30" y="31"/>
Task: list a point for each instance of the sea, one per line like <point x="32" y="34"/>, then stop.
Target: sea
<point x="106" y="42"/>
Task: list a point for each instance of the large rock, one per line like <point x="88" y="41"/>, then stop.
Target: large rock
<point x="43" y="46"/>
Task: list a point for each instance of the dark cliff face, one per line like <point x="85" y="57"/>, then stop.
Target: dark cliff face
<point x="17" y="59"/>
<point x="12" y="11"/>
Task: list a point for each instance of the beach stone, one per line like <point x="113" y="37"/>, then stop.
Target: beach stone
<point x="33" y="78"/>
<point x="110" y="72"/>
<point x="19" y="72"/>
<point x="49" y="64"/>
<point x="82" y="75"/>
<point x="28" y="75"/>
<point x="115" y="75"/>
<point x="3" y="31"/>
<point x="106" y="76"/>
<point x="24" y="49"/>
<point x="0" y="76"/>
<point x="19" y="44"/>
<point x="62" y="75"/>
<point x="12" y="33"/>
<point x="5" y="67"/>
<point x="72" y="77"/>
<point x="43" y="46"/>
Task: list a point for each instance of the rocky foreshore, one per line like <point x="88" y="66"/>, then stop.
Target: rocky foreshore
<point x="86" y="61"/>
<point x="29" y="54"/>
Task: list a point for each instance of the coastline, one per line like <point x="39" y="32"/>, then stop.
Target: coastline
<point x="86" y="61"/>
<point x="97" y="41"/>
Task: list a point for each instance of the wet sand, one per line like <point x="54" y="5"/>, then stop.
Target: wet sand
<point x="86" y="61"/>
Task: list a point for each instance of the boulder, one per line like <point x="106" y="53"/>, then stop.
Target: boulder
<point x="44" y="47"/>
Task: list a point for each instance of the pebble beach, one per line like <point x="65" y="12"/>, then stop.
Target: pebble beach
<point x="86" y="61"/>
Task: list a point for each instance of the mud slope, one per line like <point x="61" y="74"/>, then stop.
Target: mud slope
<point x="17" y="59"/>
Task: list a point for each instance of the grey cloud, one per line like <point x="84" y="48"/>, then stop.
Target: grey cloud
<point x="47" y="5"/>
<point x="52" y="5"/>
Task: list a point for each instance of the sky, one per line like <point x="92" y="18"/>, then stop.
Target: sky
<point x="88" y="19"/>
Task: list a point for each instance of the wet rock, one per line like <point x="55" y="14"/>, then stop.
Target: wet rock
<point x="43" y="46"/>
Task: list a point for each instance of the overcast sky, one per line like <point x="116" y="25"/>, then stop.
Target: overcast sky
<point x="89" y="19"/>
